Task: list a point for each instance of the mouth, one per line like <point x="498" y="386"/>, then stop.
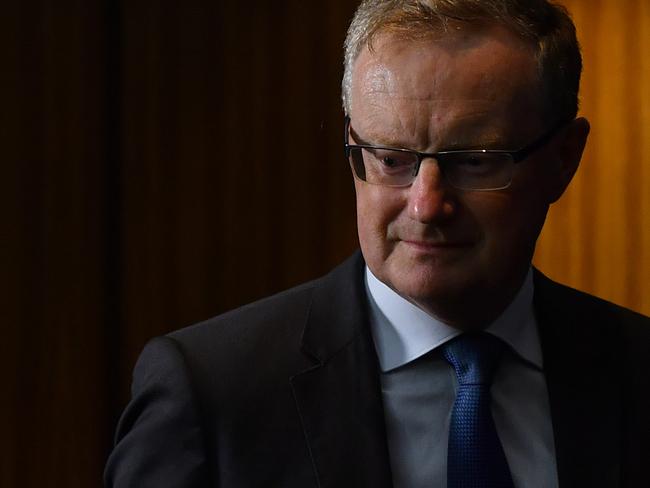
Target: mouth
<point x="436" y="246"/>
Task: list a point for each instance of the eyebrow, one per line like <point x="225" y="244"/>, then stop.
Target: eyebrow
<point x="492" y="142"/>
<point x="359" y="140"/>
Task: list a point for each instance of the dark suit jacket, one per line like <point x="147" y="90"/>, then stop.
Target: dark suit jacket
<point x="285" y="392"/>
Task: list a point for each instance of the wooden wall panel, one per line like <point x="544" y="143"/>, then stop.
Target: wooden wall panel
<point x="233" y="176"/>
<point x="597" y="238"/>
<point x="55" y="404"/>
<point x="167" y="161"/>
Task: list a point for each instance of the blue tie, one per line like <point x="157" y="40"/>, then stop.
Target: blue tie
<point x="475" y="458"/>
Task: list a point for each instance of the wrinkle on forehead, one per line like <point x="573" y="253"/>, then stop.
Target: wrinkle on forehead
<point x="393" y="117"/>
<point x="381" y="76"/>
<point x="408" y="89"/>
<point x="379" y="79"/>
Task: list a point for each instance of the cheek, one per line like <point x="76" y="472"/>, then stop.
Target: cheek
<point x="376" y="209"/>
<point x="510" y="223"/>
<point x="490" y="211"/>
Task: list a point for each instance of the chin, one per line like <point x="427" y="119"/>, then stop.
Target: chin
<point x="428" y="281"/>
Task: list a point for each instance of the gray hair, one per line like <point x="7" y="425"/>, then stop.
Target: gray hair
<point x="546" y="26"/>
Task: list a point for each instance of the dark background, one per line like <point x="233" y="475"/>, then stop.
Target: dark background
<point x="162" y="162"/>
<point x="165" y="161"/>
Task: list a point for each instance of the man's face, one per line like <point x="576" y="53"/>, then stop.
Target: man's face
<point x="457" y="254"/>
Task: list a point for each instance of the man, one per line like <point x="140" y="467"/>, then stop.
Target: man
<point x="438" y="357"/>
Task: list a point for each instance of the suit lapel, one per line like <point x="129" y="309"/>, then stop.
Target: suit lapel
<point x="339" y="398"/>
<point x="582" y="374"/>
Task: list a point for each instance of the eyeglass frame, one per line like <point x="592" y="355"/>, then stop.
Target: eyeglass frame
<point x="517" y="156"/>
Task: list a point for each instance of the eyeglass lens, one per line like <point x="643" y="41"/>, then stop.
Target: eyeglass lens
<point x="462" y="170"/>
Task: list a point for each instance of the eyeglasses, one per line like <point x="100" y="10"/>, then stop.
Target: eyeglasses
<point x="481" y="169"/>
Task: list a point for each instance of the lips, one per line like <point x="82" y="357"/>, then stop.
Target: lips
<point x="437" y="243"/>
<point x="436" y="246"/>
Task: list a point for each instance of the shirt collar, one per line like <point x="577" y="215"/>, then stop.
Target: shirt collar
<point x="403" y="332"/>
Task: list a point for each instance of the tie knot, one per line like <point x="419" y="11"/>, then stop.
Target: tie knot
<point x="474" y="357"/>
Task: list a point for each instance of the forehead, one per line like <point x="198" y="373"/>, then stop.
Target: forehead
<point x="481" y="78"/>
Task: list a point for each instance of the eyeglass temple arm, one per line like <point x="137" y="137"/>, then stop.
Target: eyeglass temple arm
<point x="524" y="152"/>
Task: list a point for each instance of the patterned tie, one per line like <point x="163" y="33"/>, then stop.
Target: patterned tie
<point x="475" y="458"/>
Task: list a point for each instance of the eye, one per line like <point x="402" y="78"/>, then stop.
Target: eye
<point x="389" y="161"/>
<point x="473" y="160"/>
<point x="393" y="159"/>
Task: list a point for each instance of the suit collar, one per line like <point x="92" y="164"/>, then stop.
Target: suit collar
<point x="337" y="314"/>
<point x="583" y="378"/>
<point x="403" y="332"/>
<point x="339" y="398"/>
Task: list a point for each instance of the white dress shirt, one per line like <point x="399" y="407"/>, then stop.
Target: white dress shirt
<point x="419" y="388"/>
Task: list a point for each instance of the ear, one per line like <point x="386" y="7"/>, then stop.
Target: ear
<point x="568" y="150"/>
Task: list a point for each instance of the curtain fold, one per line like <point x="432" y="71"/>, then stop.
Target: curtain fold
<point x="597" y="237"/>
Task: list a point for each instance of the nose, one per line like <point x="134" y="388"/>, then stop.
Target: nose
<point x="429" y="197"/>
